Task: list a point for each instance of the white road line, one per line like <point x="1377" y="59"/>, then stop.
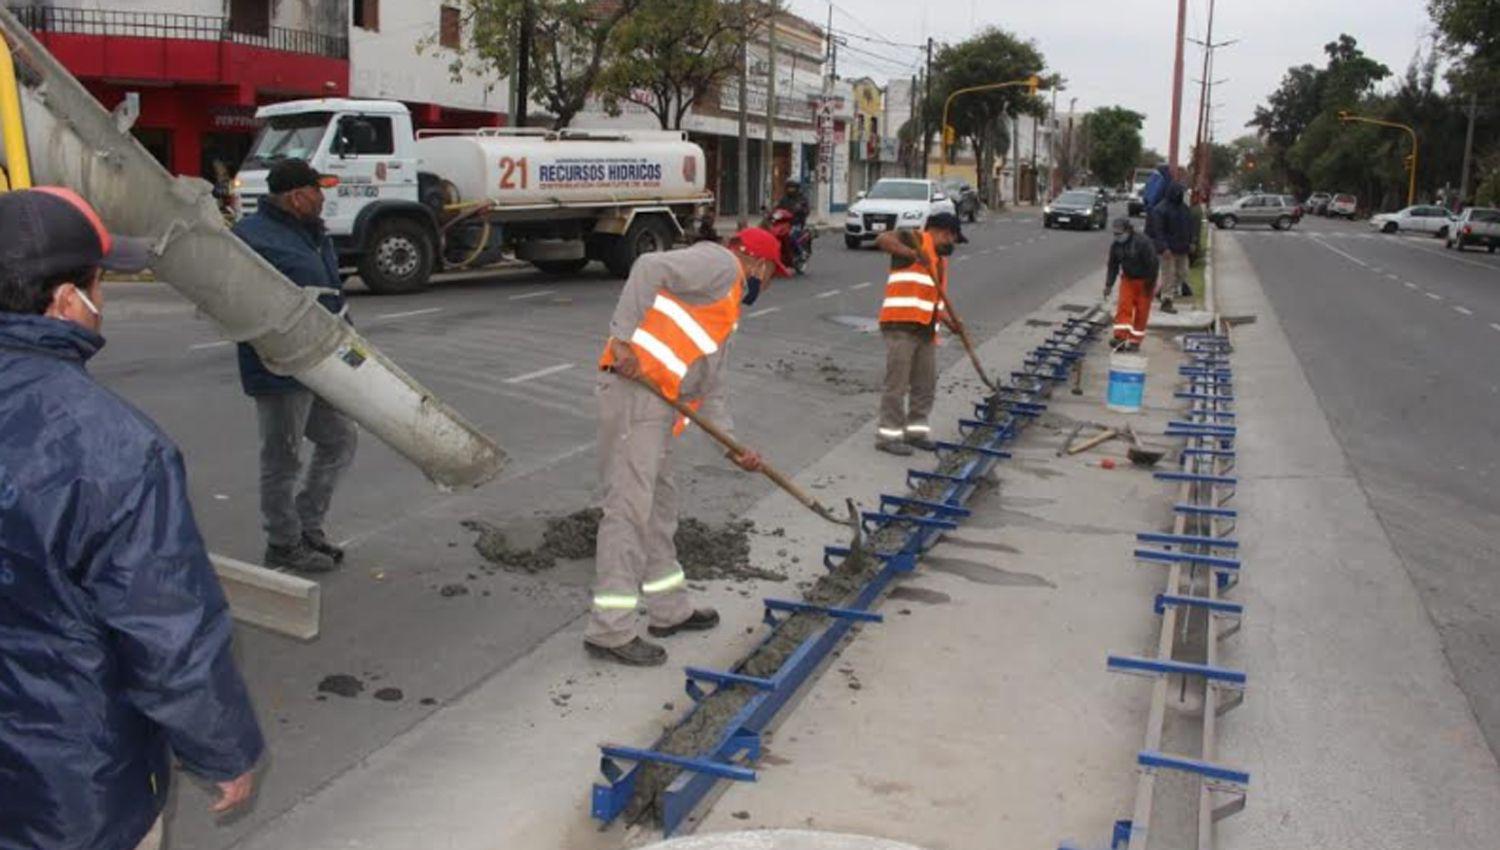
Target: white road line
<point x="1408" y="284"/>
<point x="763" y="312"/>
<point x="859" y="286"/>
<point x="1345" y="254"/>
<point x="1393" y="276"/>
<point x="409" y="313"/>
<point x="1441" y="252"/>
<point x="829" y="294"/>
<point x="525" y="295"/>
<point x="1434" y="296"/>
<point x="540" y="373"/>
<point x="1495" y="325"/>
<point x="1463" y="310"/>
<point x="204" y="345"/>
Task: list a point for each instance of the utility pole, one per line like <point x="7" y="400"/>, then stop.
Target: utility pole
<point x="1035" y="126"/>
<point x="1202" y="158"/>
<point x="742" y="175"/>
<point x="1463" y="180"/>
<point x="1052" y="129"/>
<point x="1173" y="143"/>
<point x="824" y="126"/>
<point x="523" y="68"/>
<point x="768" y="185"/>
<point x="927" y="100"/>
<point x="1068" y="154"/>
<point x="911" y="155"/>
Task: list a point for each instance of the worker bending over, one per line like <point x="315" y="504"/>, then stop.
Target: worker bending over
<point x="913" y="305"/>
<point x="671" y="329"/>
<point x="1133" y="255"/>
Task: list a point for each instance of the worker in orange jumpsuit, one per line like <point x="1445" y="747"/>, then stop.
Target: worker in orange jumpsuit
<point x="1132" y="258"/>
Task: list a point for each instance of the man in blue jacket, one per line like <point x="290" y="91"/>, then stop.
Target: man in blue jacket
<point x="1170" y="226"/>
<point x="114" y="634"/>
<point x="287" y="230"/>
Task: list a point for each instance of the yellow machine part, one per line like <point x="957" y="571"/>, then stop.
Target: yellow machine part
<point x="17" y="171"/>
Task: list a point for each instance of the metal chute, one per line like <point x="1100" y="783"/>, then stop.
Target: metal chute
<point x="75" y="142"/>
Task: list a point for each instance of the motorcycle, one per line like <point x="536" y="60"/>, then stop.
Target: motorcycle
<point x="796" y="239"/>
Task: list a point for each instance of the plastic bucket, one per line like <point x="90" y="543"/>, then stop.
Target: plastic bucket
<point x="1127" y="383"/>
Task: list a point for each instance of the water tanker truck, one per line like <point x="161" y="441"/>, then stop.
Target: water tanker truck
<point x="409" y="204"/>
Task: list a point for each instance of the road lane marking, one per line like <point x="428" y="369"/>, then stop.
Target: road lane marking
<point x="1443" y="252"/>
<point x="410" y="313"/>
<point x="859" y="286"/>
<point x="829" y="294"/>
<point x="1345" y="254"/>
<point x="1434" y="296"/>
<point x="540" y="373"/>
<point x="1393" y="276"/>
<point x="763" y="312"/>
<point x="1495" y="325"/>
<point x="1408" y="284"/>
<point x="204" y="345"/>
<point x="1464" y="310"/>
<point x="525" y="295"/>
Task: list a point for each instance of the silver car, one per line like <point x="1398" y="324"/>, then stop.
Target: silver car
<point x="1279" y="211"/>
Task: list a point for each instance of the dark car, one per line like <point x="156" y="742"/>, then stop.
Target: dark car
<point x="965" y="199"/>
<point x="1082" y="209"/>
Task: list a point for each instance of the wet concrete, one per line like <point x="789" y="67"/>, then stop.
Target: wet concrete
<point x="923" y="595"/>
<point x="981" y="573"/>
<point x="863" y="324"/>
<point x="341" y="684"/>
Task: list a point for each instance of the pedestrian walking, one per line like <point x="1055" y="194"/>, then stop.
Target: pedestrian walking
<point x="1133" y="260"/>
<point x="671" y="329"/>
<point x="287" y="230"/>
<point x="1170" y="226"/>
<point x="115" y="657"/>
<point x="909" y="315"/>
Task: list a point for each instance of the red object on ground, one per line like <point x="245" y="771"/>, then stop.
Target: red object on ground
<point x="1108" y="463"/>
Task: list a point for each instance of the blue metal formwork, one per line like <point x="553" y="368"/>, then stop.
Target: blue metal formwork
<point x="933" y="505"/>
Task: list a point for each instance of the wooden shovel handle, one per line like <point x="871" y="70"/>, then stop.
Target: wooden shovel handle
<point x="963" y="336"/>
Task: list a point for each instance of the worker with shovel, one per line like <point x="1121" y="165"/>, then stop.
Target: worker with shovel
<point x="669" y="336"/>
<point x="915" y="293"/>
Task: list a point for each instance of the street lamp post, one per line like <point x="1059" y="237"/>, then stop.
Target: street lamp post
<point x="1347" y="117"/>
<point x="1032" y="82"/>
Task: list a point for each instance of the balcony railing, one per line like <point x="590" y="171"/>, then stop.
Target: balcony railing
<point x="172" y="25"/>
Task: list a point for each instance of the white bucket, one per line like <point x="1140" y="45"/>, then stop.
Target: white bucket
<point x="1127" y="383"/>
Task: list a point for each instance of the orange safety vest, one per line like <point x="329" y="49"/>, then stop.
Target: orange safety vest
<point x="912" y="294"/>
<point x="674" y="335"/>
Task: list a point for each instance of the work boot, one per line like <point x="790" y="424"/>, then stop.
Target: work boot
<point x="637" y="653"/>
<point x="700" y="620"/>
<point x="318" y="542"/>
<point x="1166" y="306"/>
<point x="299" y="558"/>
<point x="1118" y="344"/>
<point x="921" y="442"/>
<point x="1132" y="348"/>
<point x="894" y="447"/>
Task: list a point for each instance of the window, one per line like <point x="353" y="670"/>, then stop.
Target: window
<point x="251" y="17"/>
<point x="367" y="15"/>
<point x="450" y="28"/>
<point x="367" y="135"/>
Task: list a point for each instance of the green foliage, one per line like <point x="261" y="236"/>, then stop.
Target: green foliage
<point x="1150" y="158"/>
<point x="1115" y="143"/>
<point x="1469" y="31"/>
<point x="670" y="53"/>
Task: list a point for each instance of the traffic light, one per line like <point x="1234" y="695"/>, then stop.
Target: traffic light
<point x="1033" y="82"/>
<point x="1344" y="116"/>
<point x="949" y="135"/>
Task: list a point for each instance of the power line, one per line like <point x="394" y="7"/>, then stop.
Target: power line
<point x="878" y="36"/>
<point x="885" y="41"/>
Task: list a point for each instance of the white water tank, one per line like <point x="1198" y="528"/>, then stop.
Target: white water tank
<point x="523" y="168"/>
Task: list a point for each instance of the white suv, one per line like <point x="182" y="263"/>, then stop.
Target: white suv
<point x="894" y="205"/>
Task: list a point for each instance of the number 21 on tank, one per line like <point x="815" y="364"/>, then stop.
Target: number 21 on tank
<point x="512" y="169"/>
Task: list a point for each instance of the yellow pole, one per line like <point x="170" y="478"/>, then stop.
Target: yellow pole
<point x="1031" y="82"/>
<point x="12" y="129"/>
<point x="1411" y="185"/>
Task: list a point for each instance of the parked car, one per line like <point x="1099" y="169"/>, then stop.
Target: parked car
<point x="1475" y="226"/>
<point x="1317" y="203"/>
<point x="1421" y="218"/>
<point x="1083" y="209"/>
<point x="1343" y="205"/>
<point x="1279" y="211"/>
<point x="893" y="204"/>
<point x="965" y="199"/>
<point x="1134" y="206"/>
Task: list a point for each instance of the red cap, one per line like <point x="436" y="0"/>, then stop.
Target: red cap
<point x="762" y="244"/>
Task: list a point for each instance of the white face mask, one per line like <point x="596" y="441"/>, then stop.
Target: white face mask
<point x="82" y="296"/>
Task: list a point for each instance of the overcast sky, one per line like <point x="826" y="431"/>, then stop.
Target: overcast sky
<point x="1119" y="52"/>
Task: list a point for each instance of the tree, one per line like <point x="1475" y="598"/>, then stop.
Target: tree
<point x="1150" y="158"/>
<point x="1469" y="31"/>
<point x="1115" y="143"/>
<point x="673" y="52"/>
<point x="570" y="44"/>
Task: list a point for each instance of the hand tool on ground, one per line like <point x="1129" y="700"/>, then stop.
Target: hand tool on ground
<point x="1072" y="435"/>
<point x="1139" y="454"/>
<point x="737" y="449"/>
<point x="1102" y="437"/>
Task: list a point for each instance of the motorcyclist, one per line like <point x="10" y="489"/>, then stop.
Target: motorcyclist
<point x="794" y="201"/>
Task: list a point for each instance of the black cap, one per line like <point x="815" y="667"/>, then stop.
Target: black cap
<point x="1122" y="225"/>
<point x="950" y="223"/>
<point x="289" y="174"/>
<point x="50" y="230"/>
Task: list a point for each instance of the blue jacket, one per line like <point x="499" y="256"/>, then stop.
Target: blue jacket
<point x="1156" y="187"/>
<point x="304" y="253"/>
<point x="114" y="633"/>
<point x="1170" y="223"/>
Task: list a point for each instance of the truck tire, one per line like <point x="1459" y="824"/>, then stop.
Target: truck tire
<point x="647" y="234"/>
<point x="398" y="257"/>
<point x="561" y="266"/>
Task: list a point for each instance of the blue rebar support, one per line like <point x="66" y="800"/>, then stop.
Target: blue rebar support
<point x="1154" y="667"/>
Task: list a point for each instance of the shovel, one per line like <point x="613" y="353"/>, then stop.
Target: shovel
<point x="1139" y="454"/>
<point x="737" y="448"/>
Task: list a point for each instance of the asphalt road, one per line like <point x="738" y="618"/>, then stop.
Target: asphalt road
<point x="515" y="353"/>
<point x="1399" y="339"/>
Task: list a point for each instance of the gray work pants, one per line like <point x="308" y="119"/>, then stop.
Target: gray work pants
<point x="910" y="382"/>
<point x="285" y="420"/>
<point x="636" y="558"/>
<point x="1173" y="275"/>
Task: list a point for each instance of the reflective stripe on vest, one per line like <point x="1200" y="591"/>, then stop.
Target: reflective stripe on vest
<point x="912" y="294"/>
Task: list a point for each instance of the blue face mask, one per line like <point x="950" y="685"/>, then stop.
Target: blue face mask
<point x="752" y="289"/>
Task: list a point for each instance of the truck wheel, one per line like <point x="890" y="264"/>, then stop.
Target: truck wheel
<point x="398" y="257"/>
<point x="561" y="266"/>
<point x="646" y="235"/>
